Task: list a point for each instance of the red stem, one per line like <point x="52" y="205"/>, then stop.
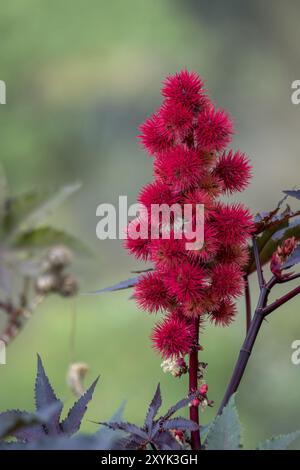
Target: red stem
<point x="193" y="386"/>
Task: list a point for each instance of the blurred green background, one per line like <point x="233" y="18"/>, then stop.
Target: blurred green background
<point x="81" y="76"/>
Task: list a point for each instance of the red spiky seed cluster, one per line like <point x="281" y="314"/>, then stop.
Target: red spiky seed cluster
<point x="188" y="138"/>
<point x="173" y="337"/>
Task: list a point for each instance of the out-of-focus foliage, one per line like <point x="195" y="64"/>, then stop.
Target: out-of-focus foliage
<point x="27" y="273"/>
<point x="21" y="232"/>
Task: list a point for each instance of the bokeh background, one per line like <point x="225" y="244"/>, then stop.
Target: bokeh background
<point x="81" y="75"/>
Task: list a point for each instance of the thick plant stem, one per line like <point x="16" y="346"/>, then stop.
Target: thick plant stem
<point x="248" y="303"/>
<point x="246" y="349"/>
<point x="262" y="310"/>
<point x="260" y="274"/>
<point x="193" y="386"/>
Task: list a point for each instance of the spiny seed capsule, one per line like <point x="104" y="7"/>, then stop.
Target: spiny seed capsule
<point x="59" y="257"/>
<point x="68" y="286"/>
<point x="203" y="389"/>
<point x="46" y="283"/>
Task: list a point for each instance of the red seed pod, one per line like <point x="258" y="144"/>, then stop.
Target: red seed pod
<point x="203" y="389"/>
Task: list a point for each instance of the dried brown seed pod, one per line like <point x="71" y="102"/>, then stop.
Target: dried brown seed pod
<point x="75" y="376"/>
<point x="46" y="283"/>
<point x="59" y="257"/>
<point x="68" y="286"/>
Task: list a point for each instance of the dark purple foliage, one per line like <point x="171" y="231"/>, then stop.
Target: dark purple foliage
<point x="119" y="286"/>
<point x="293" y="193"/>
<point x="156" y="432"/>
<point x="73" y="421"/>
<point x="293" y="259"/>
<point x="29" y="427"/>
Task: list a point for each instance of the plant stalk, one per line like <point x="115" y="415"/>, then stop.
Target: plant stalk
<point x="248" y="303"/>
<point x="262" y="310"/>
<point x="247" y="347"/>
<point x="193" y="386"/>
<point x="277" y="303"/>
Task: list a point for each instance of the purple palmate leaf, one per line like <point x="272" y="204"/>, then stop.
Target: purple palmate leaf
<point x="165" y="441"/>
<point x="128" y="428"/>
<point x="30" y="433"/>
<point x="45" y="422"/>
<point x="179" y="405"/>
<point x="42" y="418"/>
<point x="73" y="421"/>
<point x="293" y="259"/>
<point x="293" y="193"/>
<point x="45" y="396"/>
<point x="27" y="426"/>
<point x="132" y="443"/>
<point x="153" y="409"/>
<point x="13" y="421"/>
<point x="156" y="431"/>
<point x="119" y="286"/>
<point x="181" y="424"/>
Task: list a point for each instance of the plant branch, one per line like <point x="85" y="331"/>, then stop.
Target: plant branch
<point x="246" y="349"/>
<point x="285" y="279"/>
<point x="14" y="322"/>
<point x="193" y="386"/>
<point x="248" y="303"/>
<point x="7" y="307"/>
<point x="16" y="318"/>
<point x="277" y="303"/>
<point x="262" y="310"/>
<point x="260" y="275"/>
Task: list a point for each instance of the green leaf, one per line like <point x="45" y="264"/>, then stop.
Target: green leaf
<point x="204" y="430"/>
<point x="281" y="442"/>
<point x="26" y="210"/>
<point x="225" y="431"/>
<point x="44" y="237"/>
